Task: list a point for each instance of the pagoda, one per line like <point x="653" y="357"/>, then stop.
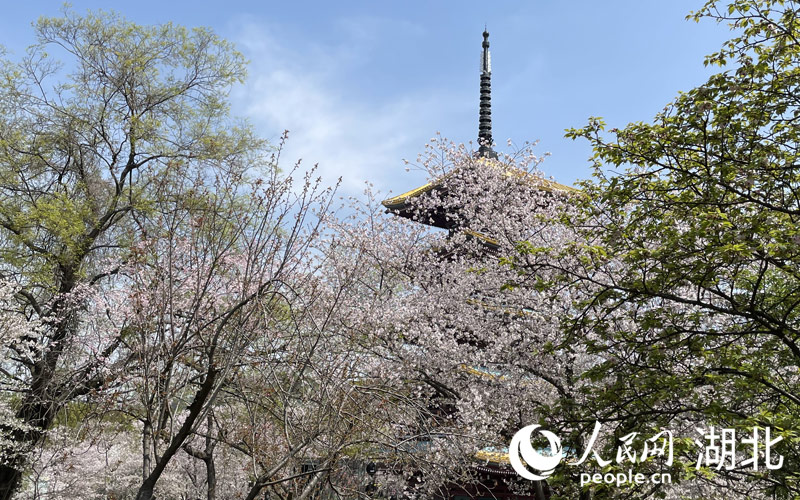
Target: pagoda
<point x="494" y="466"/>
<point x="403" y="204"/>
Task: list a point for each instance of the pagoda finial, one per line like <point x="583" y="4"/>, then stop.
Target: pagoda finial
<point x="485" y="115"/>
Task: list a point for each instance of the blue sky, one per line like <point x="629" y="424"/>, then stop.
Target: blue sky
<point x="362" y="85"/>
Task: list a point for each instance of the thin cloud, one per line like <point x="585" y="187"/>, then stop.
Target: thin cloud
<point x="309" y="90"/>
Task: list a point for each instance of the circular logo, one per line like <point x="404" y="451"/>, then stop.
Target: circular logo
<point x="521" y="447"/>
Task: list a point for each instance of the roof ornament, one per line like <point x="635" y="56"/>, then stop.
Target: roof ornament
<point x="485" y="115"/>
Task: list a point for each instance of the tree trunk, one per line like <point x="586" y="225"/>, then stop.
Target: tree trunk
<point x="42" y="399"/>
<point x="148" y="485"/>
<point x="147" y="432"/>
<point x="211" y="469"/>
<point x="211" y="475"/>
<point x="36" y="411"/>
<point x="207" y="456"/>
<point x="10" y="478"/>
<point x="146" y="490"/>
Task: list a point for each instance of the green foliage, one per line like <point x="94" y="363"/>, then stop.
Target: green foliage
<point x="105" y="126"/>
<point x="694" y="249"/>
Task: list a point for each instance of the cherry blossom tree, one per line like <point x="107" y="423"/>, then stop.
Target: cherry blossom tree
<point x="461" y="330"/>
<point x="208" y="273"/>
<point x="83" y="148"/>
<point x="180" y="317"/>
<point x="158" y="270"/>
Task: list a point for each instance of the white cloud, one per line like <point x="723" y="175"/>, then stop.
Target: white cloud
<point x="311" y="91"/>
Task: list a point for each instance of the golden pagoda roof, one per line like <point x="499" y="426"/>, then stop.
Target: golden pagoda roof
<point x="493" y="456"/>
<point x="398" y="202"/>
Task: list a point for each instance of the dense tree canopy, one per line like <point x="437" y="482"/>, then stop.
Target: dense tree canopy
<point x="690" y="255"/>
<point x="104" y="125"/>
<point x="180" y="317"/>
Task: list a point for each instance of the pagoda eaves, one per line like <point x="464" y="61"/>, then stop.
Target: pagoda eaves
<point x="403" y="204"/>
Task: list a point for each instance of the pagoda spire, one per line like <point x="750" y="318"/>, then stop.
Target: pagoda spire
<point x="485" y="115"/>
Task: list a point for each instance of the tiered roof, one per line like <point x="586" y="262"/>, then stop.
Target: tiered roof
<point x="403" y="204"/>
